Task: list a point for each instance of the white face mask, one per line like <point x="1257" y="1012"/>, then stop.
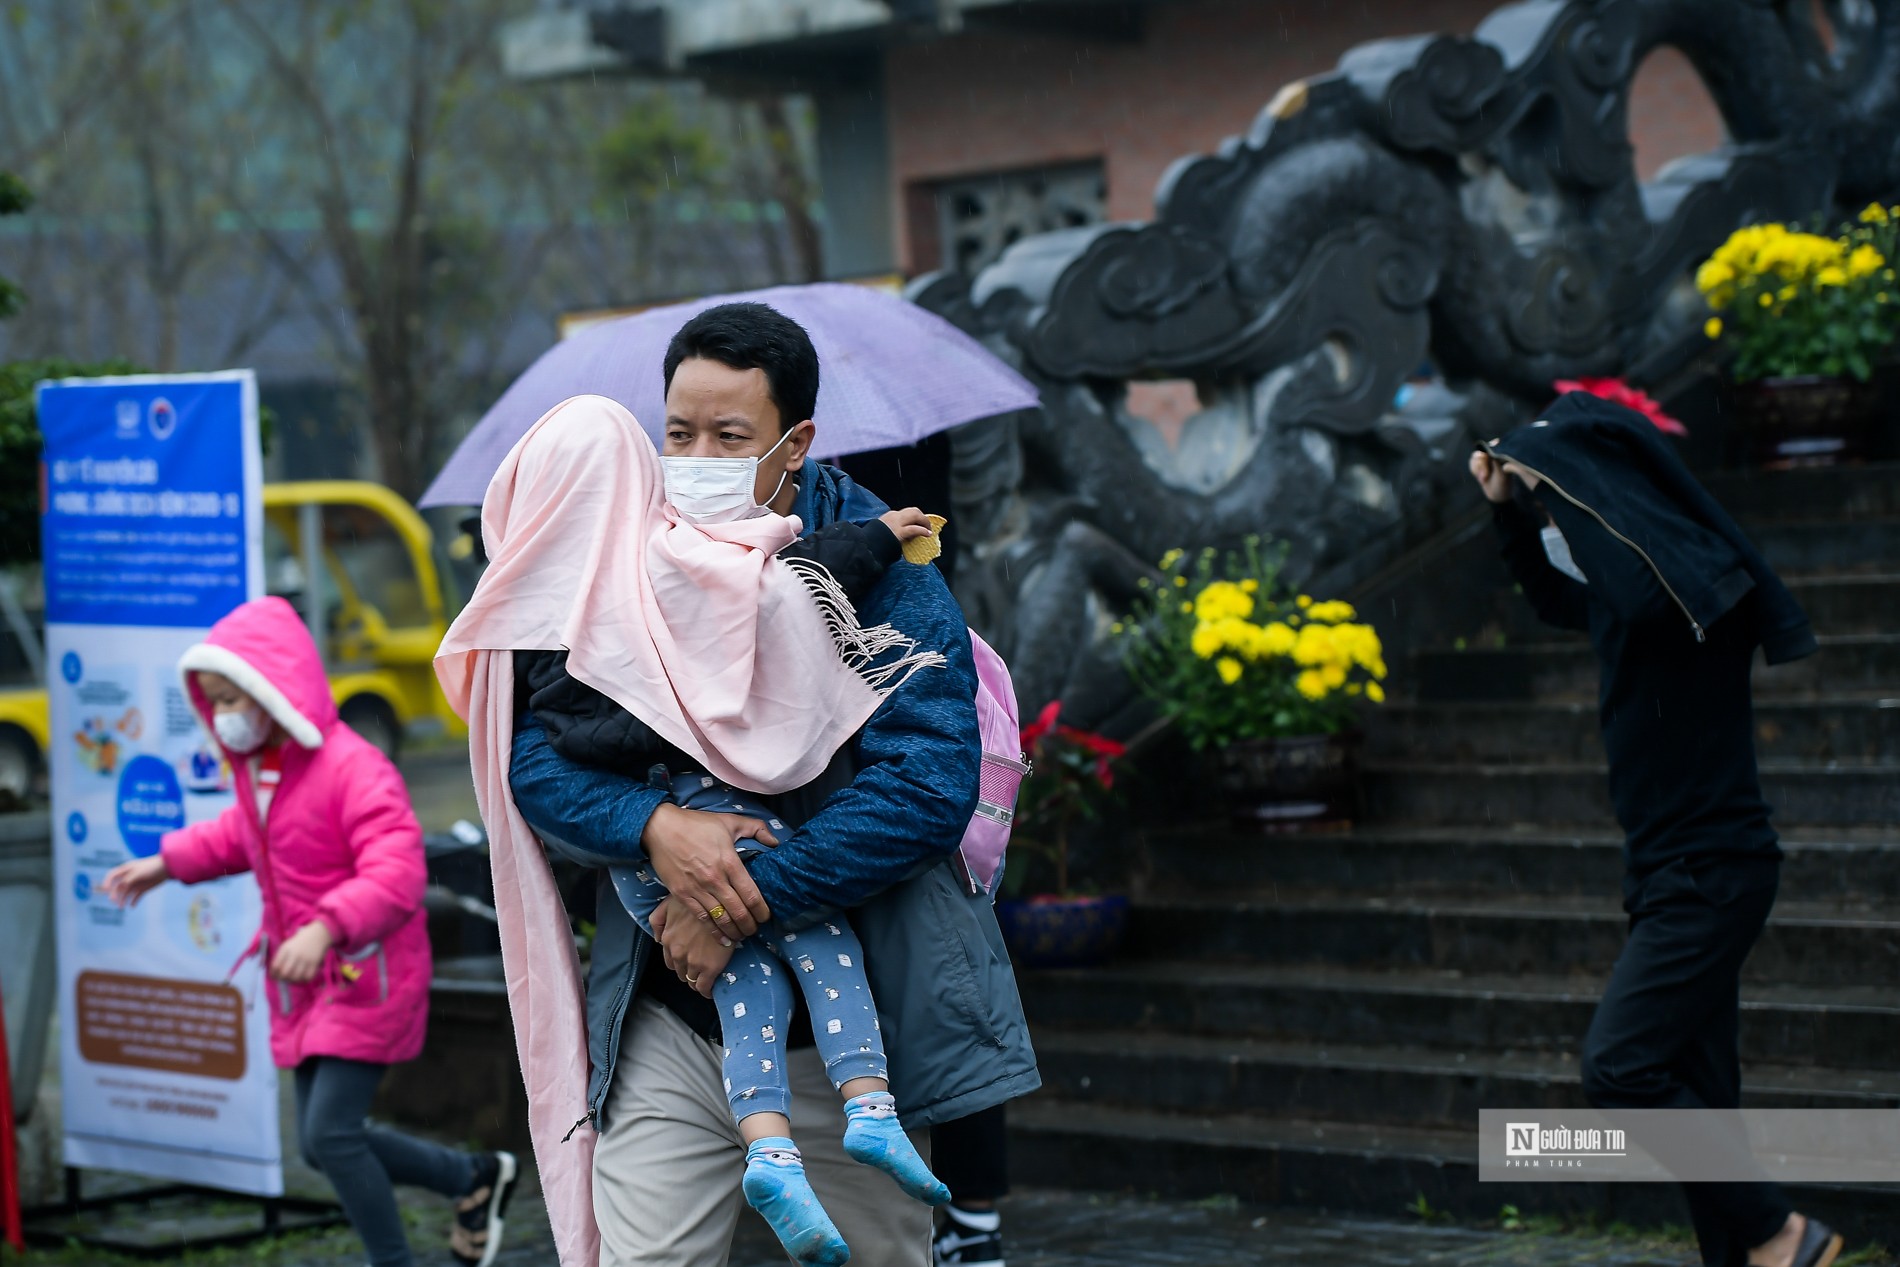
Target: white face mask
<point x="243" y="730"/>
<point x="1557" y="550"/>
<point x="718" y="490"/>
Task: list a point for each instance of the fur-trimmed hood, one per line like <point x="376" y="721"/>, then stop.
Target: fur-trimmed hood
<point x="265" y="650"/>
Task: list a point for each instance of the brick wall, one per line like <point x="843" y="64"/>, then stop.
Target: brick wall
<point x="983" y="101"/>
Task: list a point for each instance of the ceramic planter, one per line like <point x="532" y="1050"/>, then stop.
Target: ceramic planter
<point x="1807" y="420"/>
<point x="1300" y="783"/>
<point x="1063" y="932"/>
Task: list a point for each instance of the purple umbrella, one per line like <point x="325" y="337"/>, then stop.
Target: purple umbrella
<point x="890" y="374"/>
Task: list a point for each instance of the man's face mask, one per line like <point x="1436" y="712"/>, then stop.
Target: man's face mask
<point x="1557" y="550"/>
<point x="718" y="490"/>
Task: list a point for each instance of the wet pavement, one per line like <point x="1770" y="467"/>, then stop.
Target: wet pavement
<point x="1044" y="1229"/>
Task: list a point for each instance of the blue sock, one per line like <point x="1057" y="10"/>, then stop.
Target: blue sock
<point x="775" y="1186"/>
<point x="873" y="1136"/>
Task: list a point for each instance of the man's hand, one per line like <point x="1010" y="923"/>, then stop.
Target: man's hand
<point x="695" y="855"/>
<point x="907" y="523"/>
<point x="693" y="949"/>
<point x="126" y="883"/>
<point x="1494" y="477"/>
<point x="299" y="959"/>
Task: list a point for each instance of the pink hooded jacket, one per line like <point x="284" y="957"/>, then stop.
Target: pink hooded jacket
<point x="341" y="845"/>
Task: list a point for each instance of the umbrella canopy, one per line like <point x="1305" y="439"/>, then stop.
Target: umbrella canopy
<point x="890" y="374"/>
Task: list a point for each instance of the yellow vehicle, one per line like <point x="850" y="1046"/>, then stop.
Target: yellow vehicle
<point x="378" y="610"/>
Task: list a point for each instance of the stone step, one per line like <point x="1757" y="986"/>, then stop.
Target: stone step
<point x="1344" y="1166"/>
<point x="1448" y="794"/>
<point x="1816" y="547"/>
<point x="1861" y="729"/>
<point x="1803" y="944"/>
<point x="1392" y="1086"/>
<point x="1463" y="860"/>
<point x="1850" y="604"/>
<point x="1846" y="664"/>
<point x="1841" y="1026"/>
<point x="1852" y="492"/>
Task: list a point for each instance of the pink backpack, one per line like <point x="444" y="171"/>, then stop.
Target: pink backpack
<point x="1003" y="771"/>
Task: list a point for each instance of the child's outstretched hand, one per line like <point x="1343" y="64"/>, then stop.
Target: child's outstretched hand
<point x="907" y="523"/>
<point x="299" y="959"/>
<point x="126" y="883"/>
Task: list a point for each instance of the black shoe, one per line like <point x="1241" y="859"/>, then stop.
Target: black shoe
<point x="1820" y="1245"/>
<point x="960" y="1245"/>
<point x="475" y="1236"/>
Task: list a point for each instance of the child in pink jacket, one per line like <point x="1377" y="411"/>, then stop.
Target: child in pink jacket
<point x="323" y="820"/>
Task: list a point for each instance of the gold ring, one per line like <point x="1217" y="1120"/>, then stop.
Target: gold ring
<point x="717" y="913"/>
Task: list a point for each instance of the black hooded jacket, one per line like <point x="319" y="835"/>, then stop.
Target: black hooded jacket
<point x="1677" y="601"/>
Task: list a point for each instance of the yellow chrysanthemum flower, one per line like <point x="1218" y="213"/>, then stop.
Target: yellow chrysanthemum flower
<point x="1767" y="300"/>
<point x="1311" y="685"/>
<point x="1221" y="600"/>
<point x="1278" y="639"/>
<point x="1334" y="675"/>
<point x="1304" y="601"/>
<point x="1171" y="558"/>
<point x="1375" y="692"/>
<point x="1315" y="646"/>
<point x="1712" y="327"/>
<point x="1865" y="261"/>
<point x="1180" y="582"/>
<point x="1714" y="275"/>
<point x="1832" y="275"/>
<point x="1873" y="213"/>
<point x="1228" y="668"/>
<point x="1250" y="586"/>
<point x="1205" y="640"/>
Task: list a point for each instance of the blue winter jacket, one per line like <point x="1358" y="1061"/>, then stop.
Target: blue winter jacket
<point x="882" y="848"/>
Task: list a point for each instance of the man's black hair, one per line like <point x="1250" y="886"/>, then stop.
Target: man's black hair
<point x="752" y="336"/>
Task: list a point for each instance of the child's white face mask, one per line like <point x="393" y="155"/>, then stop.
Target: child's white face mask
<point x="718" y="490"/>
<point x="243" y="729"/>
<point x="1557" y="550"/>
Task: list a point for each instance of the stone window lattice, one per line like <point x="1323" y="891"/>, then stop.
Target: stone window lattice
<point x="979" y="217"/>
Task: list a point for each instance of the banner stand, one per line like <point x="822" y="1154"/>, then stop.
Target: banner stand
<point x="52" y="1226"/>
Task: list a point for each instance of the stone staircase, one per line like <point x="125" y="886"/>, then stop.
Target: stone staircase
<point x="1316" y="1021"/>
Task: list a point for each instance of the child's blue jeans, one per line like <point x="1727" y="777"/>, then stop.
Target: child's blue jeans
<point x="754" y="993"/>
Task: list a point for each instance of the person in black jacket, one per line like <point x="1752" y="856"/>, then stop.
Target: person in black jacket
<point x="1606" y="532"/>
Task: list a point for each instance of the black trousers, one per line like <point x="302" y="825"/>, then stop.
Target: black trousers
<point x="971" y="1156"/>
<point x="1666" y="1035"/>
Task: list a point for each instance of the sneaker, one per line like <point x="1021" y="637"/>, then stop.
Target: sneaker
<point x="967" y="1245"/>
<point x="475" y="1236"/>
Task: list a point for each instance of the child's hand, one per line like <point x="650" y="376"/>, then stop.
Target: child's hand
<point x="907" y="523"/>
<point x="299" y="959"/>
<point x="130" y="881"/>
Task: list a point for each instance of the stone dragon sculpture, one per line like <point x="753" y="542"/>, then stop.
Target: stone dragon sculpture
<point x="1398" y="255"/>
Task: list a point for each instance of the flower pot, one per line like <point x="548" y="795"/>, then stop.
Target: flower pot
<point x="1809" y="420"/>
<point x="1303" y="783"/>
<point x="1063" y="932"/>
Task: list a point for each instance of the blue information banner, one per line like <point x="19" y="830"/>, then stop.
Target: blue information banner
<point x="145" y="506"/>
<point x="153" y="528"/>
